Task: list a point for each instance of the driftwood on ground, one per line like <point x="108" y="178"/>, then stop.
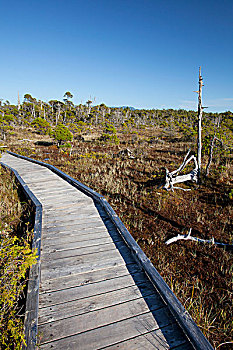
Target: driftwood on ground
<point x="173" y="177"/>
<point x="196" y="239"/>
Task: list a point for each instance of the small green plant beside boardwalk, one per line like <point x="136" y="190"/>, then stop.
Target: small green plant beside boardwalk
<point x="16" y="257"/>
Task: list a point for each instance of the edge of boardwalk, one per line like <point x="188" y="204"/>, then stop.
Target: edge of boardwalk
<point x="32" y="301"/>
<point x="189" y="327"/>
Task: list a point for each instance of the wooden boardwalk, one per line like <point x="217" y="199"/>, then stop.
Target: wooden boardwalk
<point x="93" y="294"/>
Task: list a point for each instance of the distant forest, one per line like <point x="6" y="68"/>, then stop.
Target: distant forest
<point x="78" y="119"/>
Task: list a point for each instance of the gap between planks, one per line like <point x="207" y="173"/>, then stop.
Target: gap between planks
<point x="76" y="307"/>
<point x="88" y="278"/>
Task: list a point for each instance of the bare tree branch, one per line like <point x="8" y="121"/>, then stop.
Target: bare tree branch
<point x="196" y="239"/>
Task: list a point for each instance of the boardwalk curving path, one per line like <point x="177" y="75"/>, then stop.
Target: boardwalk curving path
<point x="93" y="294"/>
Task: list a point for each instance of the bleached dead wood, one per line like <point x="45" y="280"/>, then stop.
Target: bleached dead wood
<point x="26" y="140"/>
<point x="199" y="129"/>
<point x="71" y="149"/>
<point x="173" y="177"/>
<point x="196" y="239"/>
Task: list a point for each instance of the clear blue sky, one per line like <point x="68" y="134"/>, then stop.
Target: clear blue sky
<point x="141" y="53"/>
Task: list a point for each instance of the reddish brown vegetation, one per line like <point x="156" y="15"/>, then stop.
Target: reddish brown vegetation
<point x="200" y="275"/>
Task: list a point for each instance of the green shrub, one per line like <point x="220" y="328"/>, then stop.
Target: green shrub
<point x="41" y="125"/>
<point x="16" y="257"/>
<point x="62" y="134"/>
<point x="109" y="133"/>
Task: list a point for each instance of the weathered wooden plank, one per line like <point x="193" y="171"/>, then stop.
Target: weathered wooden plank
<point x="27" y="166"/>
<point x="75" y="229"/>
<point x="82" y="212"/>
<point x="63" y="270"/>
<point x="80" y="259"/>
<point x="48" y="249"/>
<point x="63" y="196"/>
<point x="53" y="192"/>
<point x="25" y="169"/>
<point x="66" y="205"/>
<point x="97" y="338"/>
<point x="54" y="179"/>
<point x="64" y="239"/>
<point x="41" y="179"/>
<point x="54" y="254"/>
<point x="99" y="318"/>
<point x="67" y="239"/>
<point x="89" y="289"/>
<point x="84" y="208"/>
<point x="94" y="222"/>
<point x="81" y="279"/>
<point x="88" y="262"/>
<point x="53" y="176"/>
<point x="41" y="171"/>
<point x="73" y="220"/>
<point x="57" y="191"/>
<point x="168" y="337"/>
<point x="50" y="190"/>
<point x="75" y="201"/>
<point x="91" y="222"/>
<point x="75" y="209"/>
<point x="97" y="302"/>
<point x="21" y="166"/>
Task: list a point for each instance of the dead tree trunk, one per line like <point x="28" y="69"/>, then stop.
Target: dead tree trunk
<point x="200" y="109"/>
<point x="173" y="177"/>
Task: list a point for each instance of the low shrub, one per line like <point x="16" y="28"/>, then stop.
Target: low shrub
<point x="16" y="257"/>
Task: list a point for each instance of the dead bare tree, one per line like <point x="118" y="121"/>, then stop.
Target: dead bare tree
<point x="199" y="127"/>
<point x="173" y="177"/>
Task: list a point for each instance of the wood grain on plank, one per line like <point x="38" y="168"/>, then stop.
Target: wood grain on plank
<point x="91" y="289"/>
<point x="81" y="259"/>
<point x="168" y="337"/>
<point x="64" y="270"/>
<point x="114" y="332"/>
<point x="82" y="214"/>
<point x="94" y="222"/>
<point x="98" y="241"/>
<point x="60" y="239"/>
<point x="81" y="279"/>
<point x="66" y="205"/>
<point x="54" y="254"/>
<point x="99" y="318"/>
<point x="97" y="302"/>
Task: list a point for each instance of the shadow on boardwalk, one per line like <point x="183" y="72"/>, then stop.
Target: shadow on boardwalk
<point x="157" y="326"/>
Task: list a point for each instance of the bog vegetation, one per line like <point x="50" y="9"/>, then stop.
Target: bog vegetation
<point x="16" y="257"/>
<point x="123" y="154"/>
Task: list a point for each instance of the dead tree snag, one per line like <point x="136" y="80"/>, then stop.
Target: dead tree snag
<point x="200" y="109"/>
<point x="173" y="178"/>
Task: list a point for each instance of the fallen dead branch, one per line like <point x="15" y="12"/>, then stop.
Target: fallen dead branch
<point x="196" y="239"/>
